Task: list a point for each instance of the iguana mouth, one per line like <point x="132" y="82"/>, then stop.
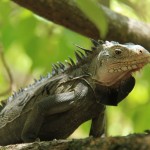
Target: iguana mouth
<point x="131" y="66"/>
<point x="120" y="71"/>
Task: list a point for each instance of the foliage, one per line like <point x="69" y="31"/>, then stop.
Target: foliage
<point x="94" y="12"/>
<point x="137" y="9"/>
<point x="31" y="44"/>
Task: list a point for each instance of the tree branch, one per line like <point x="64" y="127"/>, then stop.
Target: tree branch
<point x="66" y="13"/>
<point x="130" y="142"/>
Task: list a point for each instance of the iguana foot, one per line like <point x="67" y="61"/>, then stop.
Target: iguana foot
<point x="30" y="138"/>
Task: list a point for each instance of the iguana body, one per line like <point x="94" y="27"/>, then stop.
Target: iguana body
<point x="54" y="106"/>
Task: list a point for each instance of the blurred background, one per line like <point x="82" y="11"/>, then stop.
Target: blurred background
<point x="31" y="44"/>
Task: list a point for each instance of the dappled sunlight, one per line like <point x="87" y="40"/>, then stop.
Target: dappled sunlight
<point x="22" y="61"/>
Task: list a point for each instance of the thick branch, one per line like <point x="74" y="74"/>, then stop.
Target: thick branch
<point x="131" y="142"/>
<point x="66" y="13"/>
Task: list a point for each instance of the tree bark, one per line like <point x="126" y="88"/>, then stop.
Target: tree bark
<point x="130" y="142"/>
<point x="67" y="14"/>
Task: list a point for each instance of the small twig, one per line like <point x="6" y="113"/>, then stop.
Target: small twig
<point x="7" y="71"/>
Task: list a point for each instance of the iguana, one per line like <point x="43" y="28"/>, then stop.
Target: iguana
<point x="55" y="105"/>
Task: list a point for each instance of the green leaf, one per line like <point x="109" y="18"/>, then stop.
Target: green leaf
<point x="94" y="12"/>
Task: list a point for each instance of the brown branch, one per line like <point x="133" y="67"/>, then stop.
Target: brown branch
<point x="66" y="13"/>
<point x="7" y="91"/>
<point x="131" y="142"/>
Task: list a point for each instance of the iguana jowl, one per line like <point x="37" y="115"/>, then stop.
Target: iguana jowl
<point x="54" y="106"/>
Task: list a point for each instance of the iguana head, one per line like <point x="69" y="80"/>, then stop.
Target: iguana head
<point x="108" y="63"/>
<point x="115" y="62"/>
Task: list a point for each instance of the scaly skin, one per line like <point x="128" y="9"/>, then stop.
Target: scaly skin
<point x="54" y="106"/>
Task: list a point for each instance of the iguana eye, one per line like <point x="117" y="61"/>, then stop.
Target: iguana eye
<point x="117" y="51"/>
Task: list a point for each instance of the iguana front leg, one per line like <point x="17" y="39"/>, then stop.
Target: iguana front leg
<point x="50" y="105"/>
<point x="98" y="124"/>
